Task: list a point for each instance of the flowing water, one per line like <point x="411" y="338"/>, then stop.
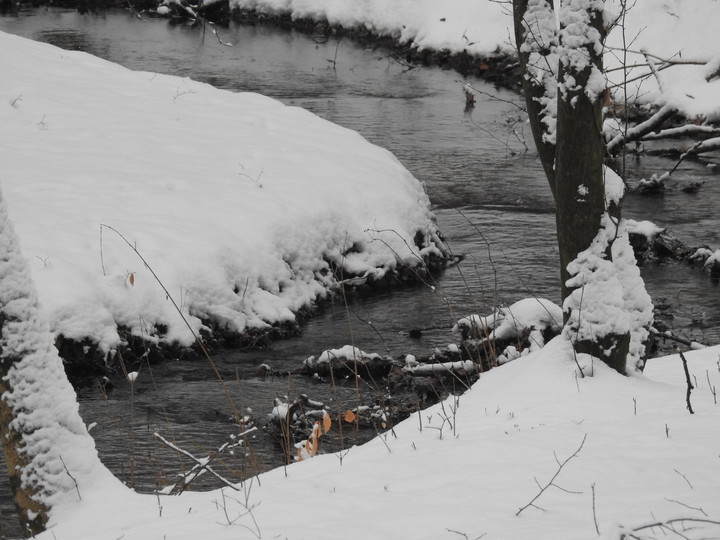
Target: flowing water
<point x="488" y="192"/>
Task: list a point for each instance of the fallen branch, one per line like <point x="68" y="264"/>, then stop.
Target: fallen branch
<point x="637" y="132"/>
<point x="201" y="465"/>
<point x="666" y="526"/>
<point x="686" y="130"/>
<point x="551" y="482"/>
<point x="678" y="339"/>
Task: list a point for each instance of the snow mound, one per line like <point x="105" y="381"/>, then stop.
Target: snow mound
<point x="642" y="458"/>
<point x="246" y="209"/>
<point x="455" y="25"/>
<point x="529" y="316"/>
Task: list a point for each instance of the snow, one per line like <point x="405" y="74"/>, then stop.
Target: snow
<point x="646" y="228"/>
<point x="347" y="353"/>
<point x="455" y="25"/>
<point x="529" y="314"/>
<point x="645" y="457"/>
<point x="669" y="29"/>
<point x="52" y="438"/>
<point x="713" y="259"/>
<point x="609" y="295"/>
<point x="261" y="203"/>
<point x="240" y="205"/>
<point x="614" y="187"/>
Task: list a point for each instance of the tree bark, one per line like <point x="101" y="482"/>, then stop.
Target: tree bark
<point x="572" y="156"/>
<point x="579" y="151"/>
<point x="534" y="90"/>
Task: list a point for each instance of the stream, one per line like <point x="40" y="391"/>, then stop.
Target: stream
<point x="488" y="192"/>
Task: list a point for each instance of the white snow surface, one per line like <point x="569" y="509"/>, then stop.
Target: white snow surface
<point x="532" y="315"/>
<point x="609" y="295"/>
<point x="476" y="26"/>
<point x="236" y="201"/>
<point x="470" y="468"/>
<point x="669" y="29"/>
<point x="42" y="403"/>
<point x="85" y="142"/>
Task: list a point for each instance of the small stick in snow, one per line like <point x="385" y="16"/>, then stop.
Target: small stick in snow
<point x="712" y="388"/>
<point x="687" y="506"/>
<point x="77" y="488"/>
<point x="685" y="478"/>
<point x="597" y="529"/>
<point x="690" y="387"/>
<point x="551" y="482"/>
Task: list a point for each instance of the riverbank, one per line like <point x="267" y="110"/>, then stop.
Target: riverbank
<point x="145" y="340"/>
<point x="500" y="67"/>
<point x="166" y="222"/>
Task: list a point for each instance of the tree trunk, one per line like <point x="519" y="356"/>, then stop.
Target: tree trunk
<point x="48" y="451"/>
<point x="566" y="61"/>
<point x="14" y="299"/>
<point x="579" y="150"/>
<point x="534" y="88"/>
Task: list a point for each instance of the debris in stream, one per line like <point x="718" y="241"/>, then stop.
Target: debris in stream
<point x="390" y="389"/>
<point x="652" y="243"/>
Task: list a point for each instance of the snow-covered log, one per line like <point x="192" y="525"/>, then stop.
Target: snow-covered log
<point x="48" y="451"/>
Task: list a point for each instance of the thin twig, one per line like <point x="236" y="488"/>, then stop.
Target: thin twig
<point x="203" y="464"/>
<point x="551" y="482"/>
<point x="182" y="316"/>
<point x="77" y="488"/>
<point x="597" y="529"/>
<point x="689" y="384"/>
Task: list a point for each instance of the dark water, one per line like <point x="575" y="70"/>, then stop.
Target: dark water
<point x="490" y="197"/>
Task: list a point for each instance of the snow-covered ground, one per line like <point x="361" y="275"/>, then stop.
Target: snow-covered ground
<point x="467" y="466"/>
<point x="241" y="205"/>
<point x="680" y="30"/>
<point x="239" y="223"/>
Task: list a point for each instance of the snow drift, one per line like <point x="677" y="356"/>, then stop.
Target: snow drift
<point x="248" y="210"/>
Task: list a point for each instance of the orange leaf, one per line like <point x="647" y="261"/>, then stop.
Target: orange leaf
<point x="132" y="279"/>
<point x="311" y="447"/>
<point x="350" y="416"/>
<point x="327" y="422"/>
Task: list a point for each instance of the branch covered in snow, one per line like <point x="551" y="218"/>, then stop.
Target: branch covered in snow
<point x="637" y="132"/>
<point x="201" y="466"/>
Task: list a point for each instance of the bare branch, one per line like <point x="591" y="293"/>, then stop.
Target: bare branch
<point x="551" y="482"/>
<point x="690" y="387"/>
<point x="637" y="132"/>
<point x="201" y="465"/>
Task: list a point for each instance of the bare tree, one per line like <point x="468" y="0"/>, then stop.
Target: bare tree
<point x="607" y="312"/>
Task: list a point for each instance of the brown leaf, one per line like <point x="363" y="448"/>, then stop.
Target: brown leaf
<point x="327" y="422"/>
<point x="350" y="416"/>
<point x="311" y="446"/>
<point x="131" y="279"/>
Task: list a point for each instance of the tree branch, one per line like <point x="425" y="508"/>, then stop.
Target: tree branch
<point x="551" y="482"/>
<point x="651" y="124"/>
<point x="689" y="384"/>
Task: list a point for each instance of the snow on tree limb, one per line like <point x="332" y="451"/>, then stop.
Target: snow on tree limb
<point x="47" y="446"/>
<point x="637" y="132"/>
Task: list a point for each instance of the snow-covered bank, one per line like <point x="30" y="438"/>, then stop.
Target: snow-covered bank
<point x="678" y="30"/>
<point x="243" y="207"/>
<point x="467" y="466"/>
